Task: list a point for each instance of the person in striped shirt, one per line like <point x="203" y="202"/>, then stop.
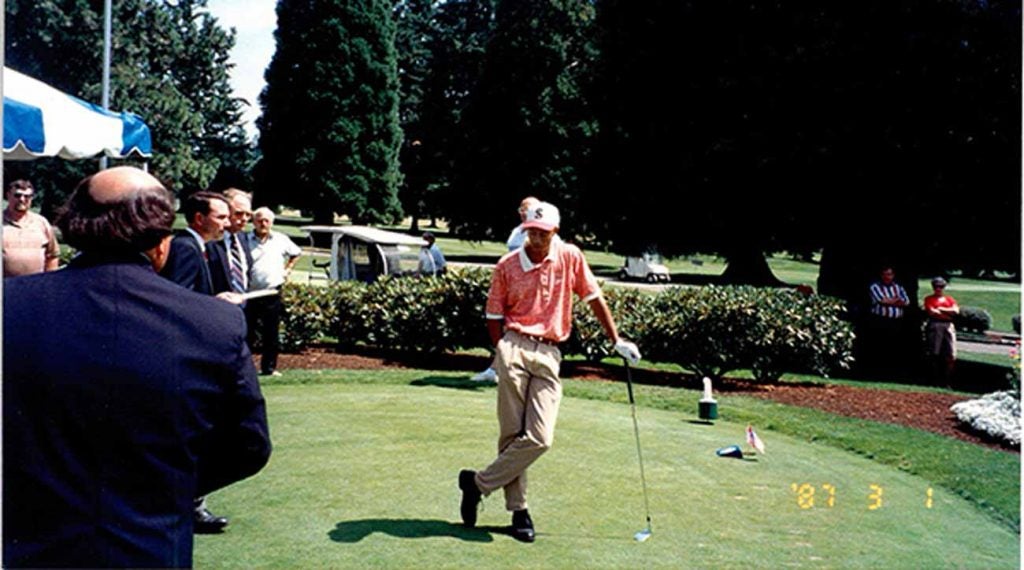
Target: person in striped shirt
<point x="884" y="346"/>
<point x="888" y="298"/>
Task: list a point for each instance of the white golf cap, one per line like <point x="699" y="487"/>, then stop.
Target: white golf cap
<point x="543" y="216"/>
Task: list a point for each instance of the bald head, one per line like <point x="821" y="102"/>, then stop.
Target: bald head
<point x="525" y="205"/>
<point x="119" y="209"/>
<point x="117" y="184"/>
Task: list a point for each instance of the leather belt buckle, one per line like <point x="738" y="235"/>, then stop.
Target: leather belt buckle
<point x="539" y="339"/>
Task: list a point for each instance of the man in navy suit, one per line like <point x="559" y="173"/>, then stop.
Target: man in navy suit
<point x="235" y="243"/>
<point x="194" y="263"/>
<point x="124" y="395"/>
<point x="207" y="215"/>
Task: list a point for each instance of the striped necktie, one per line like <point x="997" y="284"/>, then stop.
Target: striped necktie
<point x="237" y="263"/>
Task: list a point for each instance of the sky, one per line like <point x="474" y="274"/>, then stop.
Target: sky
<point x="254" y="22"/>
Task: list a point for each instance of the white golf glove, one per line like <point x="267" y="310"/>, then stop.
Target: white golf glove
<point x="628" y="350"/>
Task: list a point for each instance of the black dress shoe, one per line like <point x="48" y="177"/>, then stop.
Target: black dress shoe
<point x="470" y="497"/>
<point x="522" y="526"/>
<point x="204" y="522"/>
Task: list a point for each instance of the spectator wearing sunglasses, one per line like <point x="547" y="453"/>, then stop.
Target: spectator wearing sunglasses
<point x="29" y="243"/>
<point x="940" y="332"/>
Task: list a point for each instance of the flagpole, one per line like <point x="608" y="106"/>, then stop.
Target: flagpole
<point x="106" y="65"/>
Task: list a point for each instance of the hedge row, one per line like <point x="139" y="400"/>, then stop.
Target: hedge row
<point x="710" y="330"/>
<point x="713" y="330"/>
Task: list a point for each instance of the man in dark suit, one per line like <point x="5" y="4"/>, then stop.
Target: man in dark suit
<point x="193" y="263"/>
<point x="124" y="395"/>
<point x="231" y="257"/>
<point x="207" y="215"/>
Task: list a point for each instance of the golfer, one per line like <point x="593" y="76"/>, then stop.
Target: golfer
<point x="529" y="312"/>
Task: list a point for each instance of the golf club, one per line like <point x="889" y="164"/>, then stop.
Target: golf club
<point x="643" y="535"/>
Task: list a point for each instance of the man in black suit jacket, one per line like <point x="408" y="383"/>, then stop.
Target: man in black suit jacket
<point x="240" y="204"/>
<point x="124" y="395"/>
<point x="194" y="264"/>
<point x="207" y="215"/>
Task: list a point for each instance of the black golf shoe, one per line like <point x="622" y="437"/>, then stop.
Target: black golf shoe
<point x="522" y="526"/>
<point x="470" y="497"/>
<point x="205" y="522"/>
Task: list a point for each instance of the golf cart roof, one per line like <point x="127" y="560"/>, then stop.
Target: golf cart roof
<point x="368" y="234"/>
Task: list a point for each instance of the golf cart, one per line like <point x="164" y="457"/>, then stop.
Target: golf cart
<point x="648" y="267"/>
<point x="364" y="253"/>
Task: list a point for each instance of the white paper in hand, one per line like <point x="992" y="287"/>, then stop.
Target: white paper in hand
<point x="258" y="293"/>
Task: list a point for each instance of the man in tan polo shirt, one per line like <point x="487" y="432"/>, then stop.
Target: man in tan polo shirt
<point x="529" y="312"/>
<point x="30" y="245"/>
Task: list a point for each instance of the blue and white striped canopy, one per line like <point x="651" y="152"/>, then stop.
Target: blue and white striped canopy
<point x="42" y="121"/>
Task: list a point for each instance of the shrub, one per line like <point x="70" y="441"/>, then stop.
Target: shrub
<point x="430" y="315"/>
<point x="706" y="330"/>
<point x="632" y="310"/>
<point x="347" y="324"/>
<point x="800" y="333"/>
<point x="996" y="414"/>
<point x="972" y="319"/>
<point x="709" y="330"/>
<point x="465" y="297"/>
<point x="713" y="330"/>
<point x="1013" y="376"/>
<point x="309" y="313"/>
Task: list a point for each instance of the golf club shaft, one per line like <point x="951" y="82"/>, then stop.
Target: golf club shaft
<point x="636" y="432"/>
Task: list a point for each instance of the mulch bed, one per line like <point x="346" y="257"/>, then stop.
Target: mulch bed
<point x="922" y="410"/>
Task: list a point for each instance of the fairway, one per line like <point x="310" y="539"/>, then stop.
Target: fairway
<point x="364" y="475"/>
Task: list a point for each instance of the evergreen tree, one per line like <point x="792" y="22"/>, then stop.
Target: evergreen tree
<point x="415" y="31"/>
<point x="329" y="132"/>
<point x="169" y="66"/>
<point x="207" y="46"/>
<point x="526" y="130"/>
<point x="852" y="127"/>
<point x="460" y="32"/>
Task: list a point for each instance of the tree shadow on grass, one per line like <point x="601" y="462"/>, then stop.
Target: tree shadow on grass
<point x="354" y="531"/>
<point x="448" y="382"/>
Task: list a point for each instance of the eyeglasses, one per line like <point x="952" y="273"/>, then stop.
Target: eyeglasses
<point x="25" y="195"/>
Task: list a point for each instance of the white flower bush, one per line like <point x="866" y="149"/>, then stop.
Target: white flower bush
<point x="997" y="414"/>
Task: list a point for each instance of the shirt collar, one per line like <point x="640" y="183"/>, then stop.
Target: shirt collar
<point x="8" y="219"/>
<point x="202" y="242"/>
<point x="527" y="265"/>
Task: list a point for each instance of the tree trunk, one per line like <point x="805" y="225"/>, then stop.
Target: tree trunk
<point x="748" y="266"/>
<point x="847" y="271"/>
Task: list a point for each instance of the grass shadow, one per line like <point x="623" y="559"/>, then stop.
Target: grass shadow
<point x="354" y="531"/>
<point x="448" y="382"/>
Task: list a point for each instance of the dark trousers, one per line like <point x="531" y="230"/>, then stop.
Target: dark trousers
<point x="264" y="315"/>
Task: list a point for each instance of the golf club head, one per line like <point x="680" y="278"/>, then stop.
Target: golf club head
<point x="643" y="535"/>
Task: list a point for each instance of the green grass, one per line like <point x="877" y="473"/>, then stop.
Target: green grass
<point x="1002" y="305"/>
<point x="990" y="479"/>
<point x="1002" y="360"/>
<point x="364" y="465"/>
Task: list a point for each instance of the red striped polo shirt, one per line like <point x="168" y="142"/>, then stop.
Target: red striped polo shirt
<point x="536" y="299"/>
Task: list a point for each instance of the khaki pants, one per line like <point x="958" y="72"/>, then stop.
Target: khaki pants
<point x="529" y="392"/>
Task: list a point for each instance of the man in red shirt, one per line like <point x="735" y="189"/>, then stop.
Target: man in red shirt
<point x="940" y="333"/>
<point x="529" y="312"/>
